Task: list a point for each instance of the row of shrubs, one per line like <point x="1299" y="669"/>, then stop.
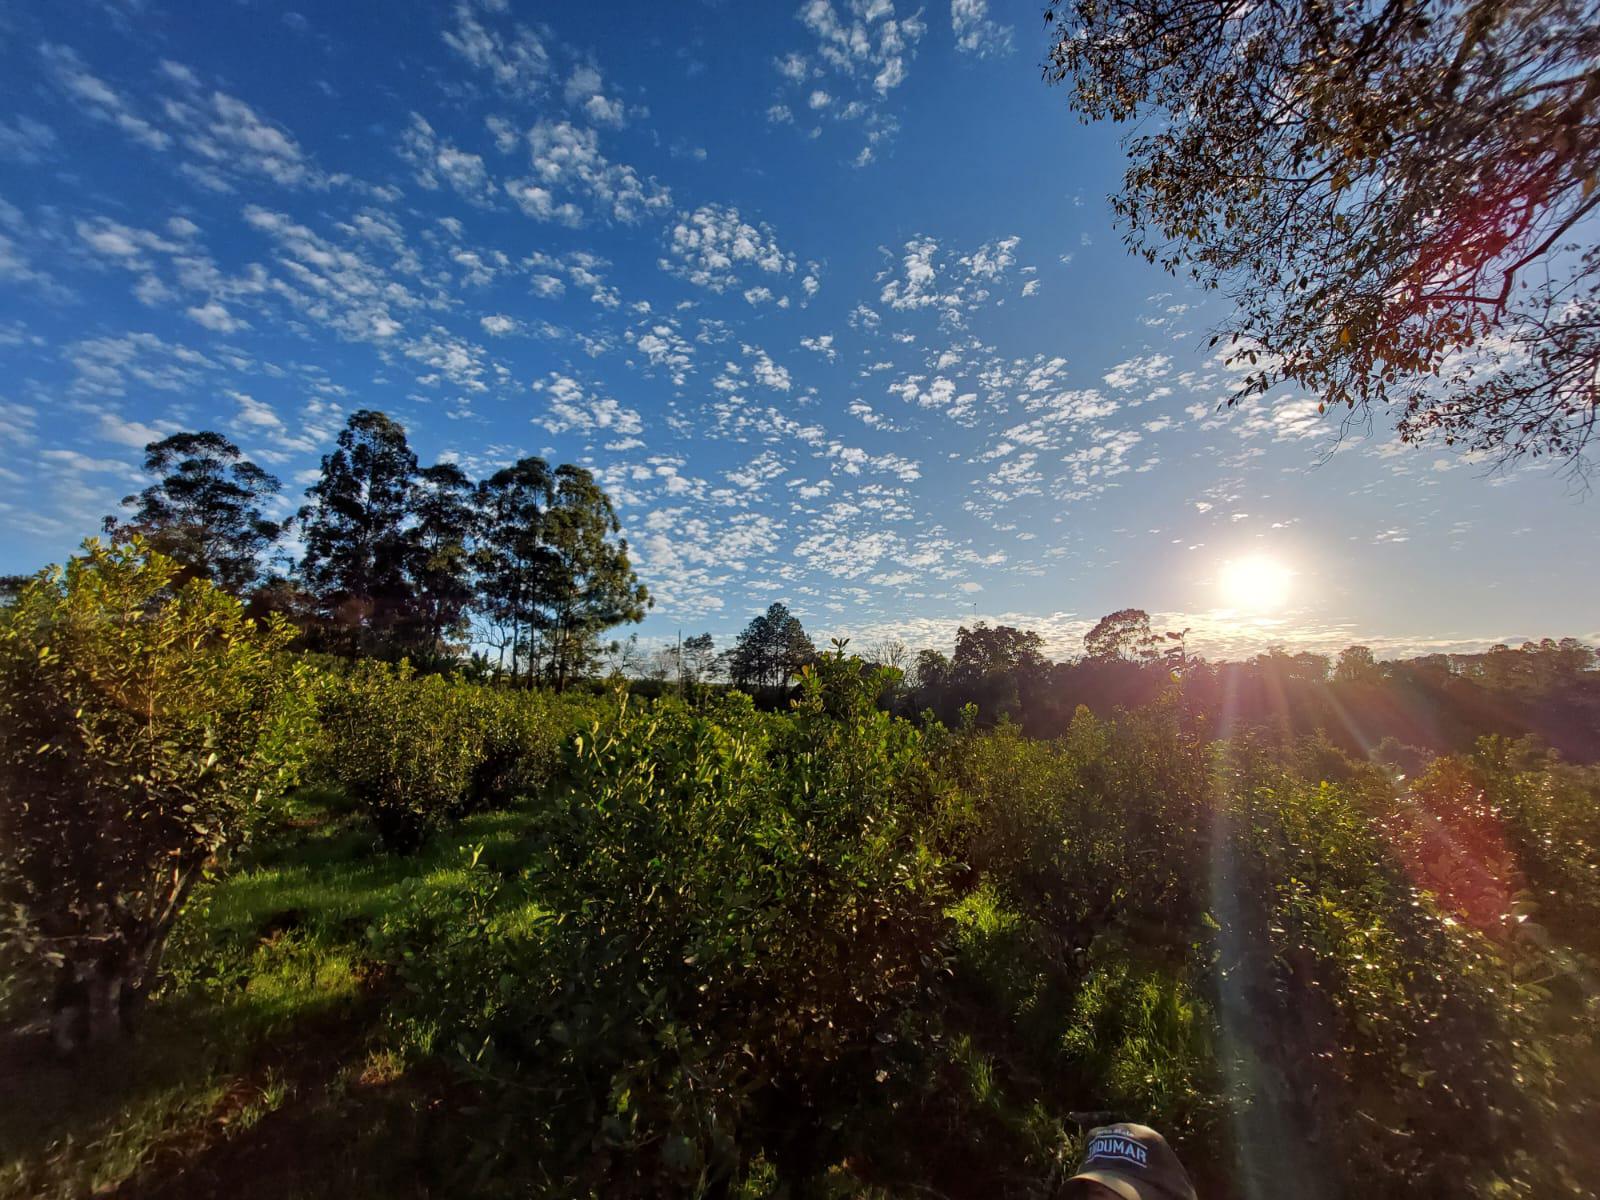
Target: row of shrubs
<point x="736" y="911"/>
<point x="148" y="729"/>
<point x="418" y="751"/>
<point x="830" y="944"/>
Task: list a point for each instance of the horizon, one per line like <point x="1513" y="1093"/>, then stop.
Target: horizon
<point x="898" y="373"/>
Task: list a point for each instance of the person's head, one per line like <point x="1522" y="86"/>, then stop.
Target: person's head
<point x="1129" y="1162"/>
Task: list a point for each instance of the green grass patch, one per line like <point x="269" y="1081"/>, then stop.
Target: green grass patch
<point x="271" y="967"/>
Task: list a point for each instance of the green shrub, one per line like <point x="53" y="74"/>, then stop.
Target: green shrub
<point x="1545" y="813"/>
<point x="522" y="737"/>
<point x="416" y="752"/>
<point x="735" y="912"/>
<point x="1188" y="934"/>
<point x="1107" y="824"/>
<point x="143" y="729"/>
<point x="1406" y="1045"/>
<point x="404" y="748"/>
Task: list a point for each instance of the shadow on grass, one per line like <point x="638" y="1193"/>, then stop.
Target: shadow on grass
<point x="261" y="1068"/>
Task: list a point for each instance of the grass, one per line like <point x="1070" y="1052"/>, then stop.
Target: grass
<point x="269" y="1029"/>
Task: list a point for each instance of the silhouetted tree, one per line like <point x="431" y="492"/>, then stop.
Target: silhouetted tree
<point x="1383" y="190"/>
<point x="890" y="652"/>
<point x="11" y="587"/>
<point x="770" y="651"/>
<point x="1356" y="664"/>
<point x="983" y="650"/>
<point x="699" y="659"/>
<point x="930" y="670"/>
<point x="357" y="545"/>
<point x="1122" y="634"/>
<point x="443" y="504"/>
<point x="204" y="511"/>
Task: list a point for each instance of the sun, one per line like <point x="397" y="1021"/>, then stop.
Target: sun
<point x="1256" y="584"/>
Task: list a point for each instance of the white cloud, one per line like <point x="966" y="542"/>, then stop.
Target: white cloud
<point x="99" y="99"/>
<point x="953" y="289"/>
<point x="17" y="422"/>
<point x="1137" y="371"/>
<point x="766" y="372"/>
<point x="975" y="33"/>
<point x="514" y="59"/>
<point x="566" y="158"/>
<point x="113" y="427"/>
<point x="571" y="408"/>
<point x="433" y="159"/>
<point x="712" y="248"/>
<point x="227" y="132"/>
<point x="941" y="395"/>
<point x="665" y="348"/>
<point x="216" y="317"/>
<point x="71" y="460"/>
<point x="863" y="56"/>
<point x="335" y="285"/>
<point x="585" y="91"/>
<point x="255" y="414"/>
<point x="448" y="357"/>
<point x="793" y="67"/>
<point x="822" y="345"/>
<point x="25" y="140"/>
<point x="110" y="366"/>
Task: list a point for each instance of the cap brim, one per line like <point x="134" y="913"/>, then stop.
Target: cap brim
<point x="1118" y="1183"/>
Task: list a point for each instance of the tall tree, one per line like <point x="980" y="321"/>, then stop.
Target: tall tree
<point x="1356" y="664"/>
<point x="1122" y="634"/>
<point x="203" y="512"/>
<point x="984" y="650"/>
<point x="513" y="559"/>
<point x="357" y="545"/>
<point x="589" y="583"/>
<point x="698" y="659"/>
<point x="770" y="651"/>
<point x="1397" y="196"/>
<point x="443" y="504"/>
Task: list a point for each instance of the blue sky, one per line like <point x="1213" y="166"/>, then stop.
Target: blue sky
<point x="829" y="297"/>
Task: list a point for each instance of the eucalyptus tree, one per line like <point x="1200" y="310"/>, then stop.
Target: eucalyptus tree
<point x="355" y="529"/>
<point x="588" y="584"/>
<point x="442" y="544"/>
<point x="204" y="510"/>
<point x="1398" y="197"/>
<point x="1125" y="634"/>
<point x="771" y="650"/>
<point x="697" y="659"/>
<point x="513" y="559"/>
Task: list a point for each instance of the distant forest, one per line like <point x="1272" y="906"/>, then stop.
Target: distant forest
<point x="1399" y="712"/>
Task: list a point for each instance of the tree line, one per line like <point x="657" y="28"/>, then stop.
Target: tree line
<point x="400" y="559"/>
<point x="1402" y="711"/>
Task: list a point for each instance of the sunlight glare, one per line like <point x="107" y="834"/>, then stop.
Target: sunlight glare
<point x="1256" y="584"/>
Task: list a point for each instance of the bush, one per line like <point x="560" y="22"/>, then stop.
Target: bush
<point x="1107" y="824"/>
<point x="1186" y="931"/>
<point x="736" y="911"/>
<point x="416" y="752"/>
<point x="522" y="735"/>
<point x="404" y="748"/>
<point x="143" y="729"/>
<point x="1402" y="1038"/>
